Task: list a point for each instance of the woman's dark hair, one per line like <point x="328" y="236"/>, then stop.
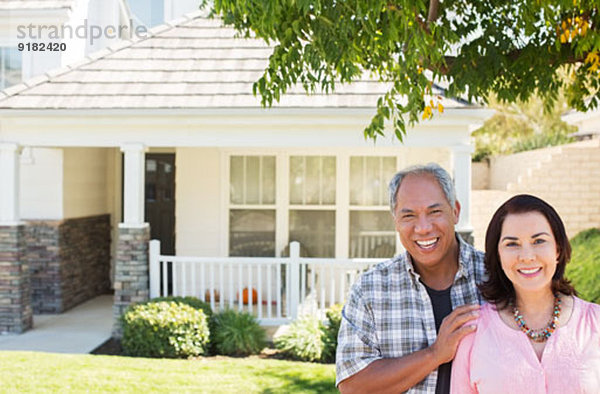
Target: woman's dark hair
<point x="498" y="289"/>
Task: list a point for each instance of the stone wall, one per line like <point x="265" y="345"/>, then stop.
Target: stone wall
<point x="70" y="261"/>
<point x="15" y="306"/>
<point x="132" y="278"/>
<point x="510" y="168"/>
<point x="42" y="254"/>
<point x="568" y="182"/>
<point x="483" y="205"/>
<point x="480" y="175"/>
<point x="85" y="253"/>
<point x="565" y="176"/>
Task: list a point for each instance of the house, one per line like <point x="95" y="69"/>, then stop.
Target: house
<point x="161" y="137"/>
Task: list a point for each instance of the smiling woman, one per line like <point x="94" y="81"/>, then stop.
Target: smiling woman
<point x="534" y="324"/>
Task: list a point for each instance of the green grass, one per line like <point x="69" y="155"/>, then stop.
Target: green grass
<point x="584" y="268"/>
<point x="45" y="372"/>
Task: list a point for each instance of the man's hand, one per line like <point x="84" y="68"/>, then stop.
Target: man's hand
<point x="452" y="330"/>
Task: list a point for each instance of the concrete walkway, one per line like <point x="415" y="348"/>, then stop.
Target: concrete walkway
<point x="79" y="330"/>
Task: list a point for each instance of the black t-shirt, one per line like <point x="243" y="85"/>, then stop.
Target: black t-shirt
<point x="442" y="306"/>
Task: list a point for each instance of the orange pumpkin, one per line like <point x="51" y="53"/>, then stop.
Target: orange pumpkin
<point x="207" y="295"/>
<point x="245" y="295"/>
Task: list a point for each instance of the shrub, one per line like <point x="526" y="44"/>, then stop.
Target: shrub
<point x="330" y="333"/>
<point x="584" y="268"/>
<point x="164" y="329"/>
<point x="194" y="302"/>
<point x="302" y="340"/>
<point x="236" y="334"/>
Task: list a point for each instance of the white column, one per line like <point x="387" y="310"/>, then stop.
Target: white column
<point x="133" y="185"/>
<point x="461" y="156"/>
<point x="9" y="177"/>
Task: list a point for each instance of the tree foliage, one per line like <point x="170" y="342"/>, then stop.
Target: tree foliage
<point x="511" y="48"/>
<point x="521" y="126"/>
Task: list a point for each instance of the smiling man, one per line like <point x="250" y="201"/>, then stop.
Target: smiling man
<point x="404" y="318"/>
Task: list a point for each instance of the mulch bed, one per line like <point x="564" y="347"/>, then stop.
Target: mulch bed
<point x="112" y="347"/>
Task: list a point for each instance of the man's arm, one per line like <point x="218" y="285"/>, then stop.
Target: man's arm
<point x="400" y="374"/>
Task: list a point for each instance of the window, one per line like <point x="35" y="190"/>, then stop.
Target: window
<point x="315" y="230"/>
<point x="252" y="232"/>
<point x="10" y="67"/>
<point x="252" y="180"/>
<point x="372" y="234"/>
<point x="252" y="210"/>
<point x="372" y="231"/>
<point x="369" y="177"/>
<point x="279" y="198"/>
<point x="312" y="204"/>
<point x="147" y="13"/>
<point x="312" y="180"/>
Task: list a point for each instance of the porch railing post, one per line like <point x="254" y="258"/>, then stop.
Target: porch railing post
<point x="294" y="279"/>
<point x="154" y="260"/>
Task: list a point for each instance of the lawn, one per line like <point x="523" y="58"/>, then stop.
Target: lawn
<point x="584" y="268"/>
<point x="35" y="372"/>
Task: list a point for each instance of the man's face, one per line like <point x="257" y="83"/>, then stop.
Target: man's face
<point x="425" y="220"/>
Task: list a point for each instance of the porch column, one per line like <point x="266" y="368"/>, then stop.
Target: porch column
<point x="461" y="156"/>
<point x="9" y="193"/>
<point x="131" y="264"/>
<point x="133" y="184"/>
<point x="15" y="288"/>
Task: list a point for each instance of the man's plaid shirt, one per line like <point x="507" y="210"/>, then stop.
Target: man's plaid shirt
<point x="389" y="313"/>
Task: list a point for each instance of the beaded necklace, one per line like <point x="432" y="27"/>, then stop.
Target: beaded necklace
<point x="542" y="334"/>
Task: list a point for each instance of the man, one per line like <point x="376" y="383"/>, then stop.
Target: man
<point x="405" y="317"/>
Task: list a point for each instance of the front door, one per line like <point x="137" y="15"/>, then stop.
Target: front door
<point x="160" y="199"/>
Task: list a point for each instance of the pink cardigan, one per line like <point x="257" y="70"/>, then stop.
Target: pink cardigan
<point x="499" y="359"/>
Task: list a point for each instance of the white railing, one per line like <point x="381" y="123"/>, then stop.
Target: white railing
<point x="281" y="288"/>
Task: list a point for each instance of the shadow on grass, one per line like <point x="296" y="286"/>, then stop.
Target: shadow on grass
<point x="295" y="384"/>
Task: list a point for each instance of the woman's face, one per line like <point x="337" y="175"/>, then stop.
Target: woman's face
<point x="528" y="252"/>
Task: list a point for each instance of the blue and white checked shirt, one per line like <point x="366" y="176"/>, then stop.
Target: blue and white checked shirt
<point x="389" y="313"/>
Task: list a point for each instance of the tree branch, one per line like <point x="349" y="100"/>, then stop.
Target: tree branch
<point x="513" y="56"/>
<point x="434" y="6"/>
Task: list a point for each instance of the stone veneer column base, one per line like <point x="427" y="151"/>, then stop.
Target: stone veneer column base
<point x="15" y="307"/>
<point x="131" y="271"/>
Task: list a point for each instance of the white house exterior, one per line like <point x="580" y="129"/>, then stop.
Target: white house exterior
<point x="164" y="129"/>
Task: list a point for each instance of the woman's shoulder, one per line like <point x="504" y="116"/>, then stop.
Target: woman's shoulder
<point x="488" y="312"/>
<point x="488" y="316"/>
<point x="585" y="318"/>
<point x="588" y="310"/>
<point x="489" y="327"/>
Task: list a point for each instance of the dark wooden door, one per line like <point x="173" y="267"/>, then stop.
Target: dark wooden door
<point x="160" y="199"/>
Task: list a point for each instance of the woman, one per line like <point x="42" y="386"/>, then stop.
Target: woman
<point x="534" y="335"/>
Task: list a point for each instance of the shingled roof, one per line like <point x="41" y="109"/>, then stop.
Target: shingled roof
<point x="193" y="62"/>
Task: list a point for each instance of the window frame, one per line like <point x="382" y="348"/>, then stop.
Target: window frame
<point x="341" y="208"/>
<point x="226" y="192"/>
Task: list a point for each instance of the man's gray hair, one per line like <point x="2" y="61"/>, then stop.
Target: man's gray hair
<point x="433" y="169"/>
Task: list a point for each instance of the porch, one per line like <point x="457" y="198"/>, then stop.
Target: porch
<point x="276" y="290"/>
<point x="77" y="331"/>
